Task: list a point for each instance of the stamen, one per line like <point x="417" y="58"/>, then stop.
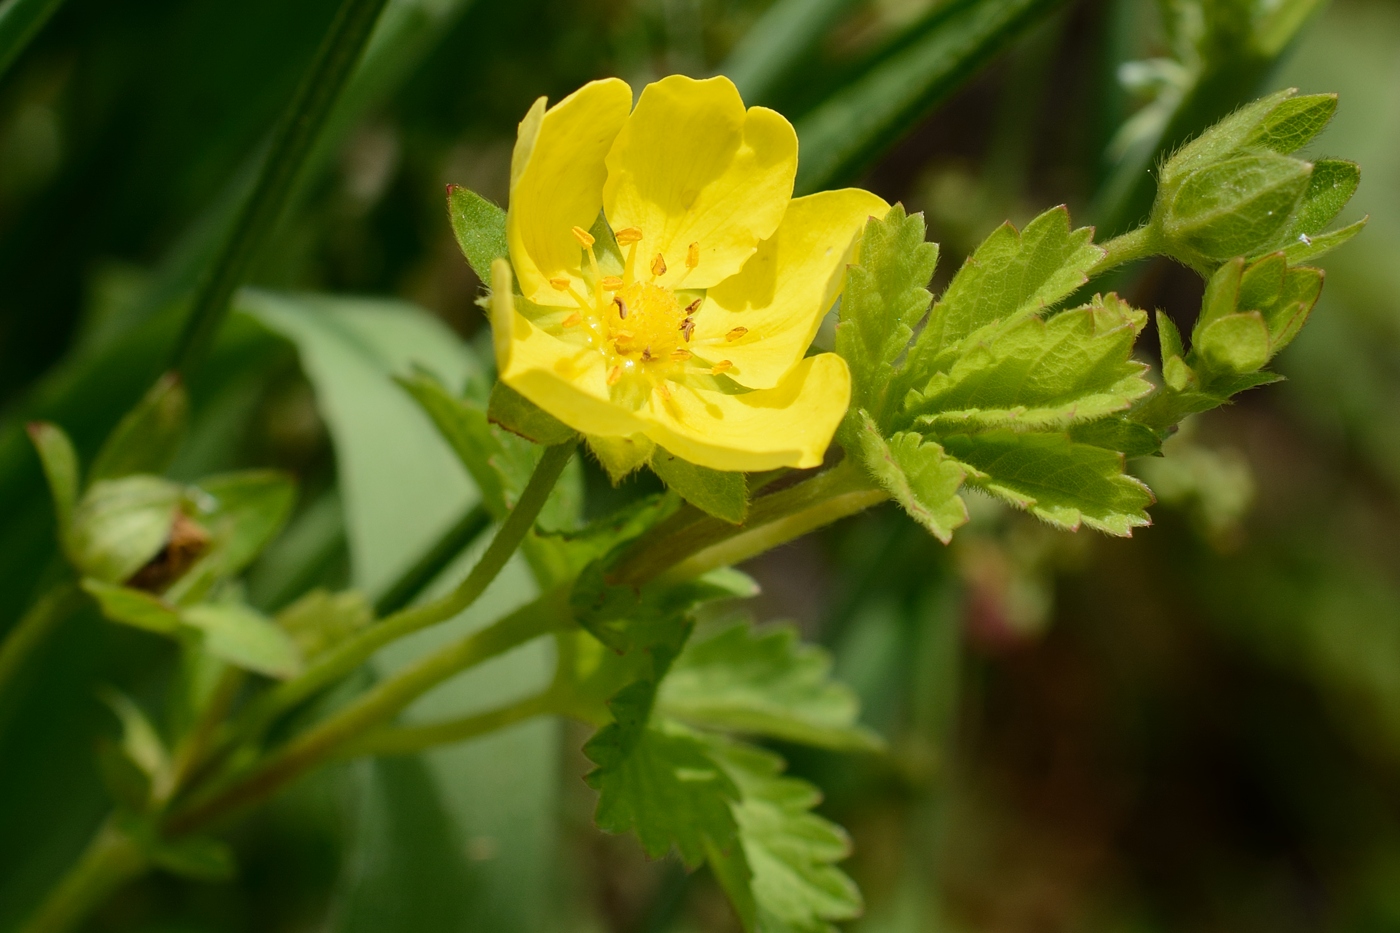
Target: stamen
<point x="692" y="256"/>
<point x="614" y="375"/>
<point x="693" y="307"/>
<point x="628" y="235"/>
<point x="621" y="307"/>
<point x="662" y="391"/>
<point x="658" y="265"/>
<point x="646" y="355"/>
<point x="559" y="284"/>
<point x="612" y="283"/>
<point x="585" y="239"/>
<point x="687" y="329"/>
<point x="573" y="320"/>
<point x="720" y="367"/>
<point x="736" y="333"/>
<point x="680" y="356"/>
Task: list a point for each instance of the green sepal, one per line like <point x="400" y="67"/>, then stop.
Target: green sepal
<point x="60" y="463"/>
<point x="1238" y="343"/>
<point x="1119" y="433"/>
<point x="715" y="492"/>
<point x="1055" y="479"/>
<point x="480" y="229"/>
<point x="1231" y="208"/>
<point x="620" y="457"/>
<point x="1233" y="135"/>
<point x="120" y="524"/>
<point x="133" y="607"/>
<point x="244" y="638"/>
<point x="148" y="437"/>
<point x="519" y="415"/>
<point x="917" y="474"/>
<point x="1292" y="123"/>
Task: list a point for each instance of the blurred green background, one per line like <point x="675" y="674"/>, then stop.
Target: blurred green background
<point x="1195" y="729"/>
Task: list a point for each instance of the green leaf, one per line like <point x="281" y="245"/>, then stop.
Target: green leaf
<point x="147" y="439"/>
<point x="1010" y="275"/>
<point x="120" y="524"/>
<point x="1231" y="208"/>
<point x="789" y="853"/>
<point x="1034" y="373"/>
<point x="519" y="415"/>
<point x="1061" y="482"/>
<point x="721" y="494"/>
<point x="480" y="229"/>
<point x="320" y="620"/>
<point x="764" y="682"/>
<point x="664" y="787"/>
<point x="849" y="129"/>
<point x="244" y="638"/>
<point x="60" y="463"/>
<point x="140" y="741"/>
<point x="916" y="473"/>
<point x="134" y="607"/>
<point x="1130" y="438"/>
<point x="886" y="296"/>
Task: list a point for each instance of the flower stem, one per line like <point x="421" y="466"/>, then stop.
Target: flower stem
<point x="292" y="142"/>
<point x="405" y="740"/>
<point x="1131" y="246"/>
<point x="349" y="655"/>
<point x="325" y="739"/>
<point x="111" y="859"/>
<point x="32" y="629"/>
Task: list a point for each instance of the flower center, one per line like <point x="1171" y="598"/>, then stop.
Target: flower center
<point x="646" y="322"/>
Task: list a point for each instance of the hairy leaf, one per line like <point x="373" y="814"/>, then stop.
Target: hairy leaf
<point x="718" y="493"/>
<point x="764" y="682"/>
<point x="918" y="475"/>
<point x="480" y="229"/>
<point x="1064" y="483"/>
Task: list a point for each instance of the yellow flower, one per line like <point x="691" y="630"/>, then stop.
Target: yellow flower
<point x="679" y="317"/>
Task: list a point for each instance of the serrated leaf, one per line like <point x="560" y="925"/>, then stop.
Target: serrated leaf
<point x="60" y="463"/>
<point x="148" y="437"/>
<point x="244" y="638"/>
<point x="120" y="524"/>
<point x="667" y="790"/>
<point x="1061" y="482"/>
<point x="722" y="494"/>
<point x="519" y="415"/>
<point x="134" y="607"/>
<point x="1011" y="274"/>
<point x="480" y="229"/>
<point x="764" y="682"/>
<point x="789" y="853"/>
<point x="320" y="620"/>
<point x="1031" y="372"/>
<point x="886" y="296"/>
<point x="917" y="474"/>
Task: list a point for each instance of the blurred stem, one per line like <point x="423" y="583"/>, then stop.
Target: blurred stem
<point x="110" y="860"/>
<point x="20" y="22"/>
<point x="416" y="579"/>
<point x="405" y="740"/>
<point x="293" y="141"/>
<point x="350" y="654"/>
<point x="690" y="543"/>
<point x="767" y="54"/>
<point x="34" y="628"/>
<point x="372" y="708"/>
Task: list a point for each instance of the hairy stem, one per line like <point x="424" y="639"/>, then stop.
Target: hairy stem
<point x="1131" y="246"/>
<point x="292" y="142"/>
<point x="349" y="655"/>
<point x="405" y="740"/>
<point x="32" y="630"/>
<point x="325" y="739"/>
<point x="111" y="859"/>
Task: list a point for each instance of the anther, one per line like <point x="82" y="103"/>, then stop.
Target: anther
<point x="585" y="239"/>
<point x="572" y="320"/>
<point x="614" y="375"/>
<point x="736" y="333"/>
<point x="612" y="282"/>
<point x="662" y="391"/>
<point x="692" y="256"/>
<point x="680" y="356"/>
<point x="560" y="284"/>
<point x="720" y="367"/>
<point x="628" y="235"/>
<point x="658" y="265"/>
<point x="621" y="307"/>
<point x="687" y="329"/>
<point x="693" y="307"/>
<point x="646" y="355"/>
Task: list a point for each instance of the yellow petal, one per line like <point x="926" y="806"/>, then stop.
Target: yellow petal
<point x="691" y="166"/>
<point x="568" y="381"/>
<point x="763" y="319"/>
<point x="788" y="425"/>
<point x="556" y="183"/>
